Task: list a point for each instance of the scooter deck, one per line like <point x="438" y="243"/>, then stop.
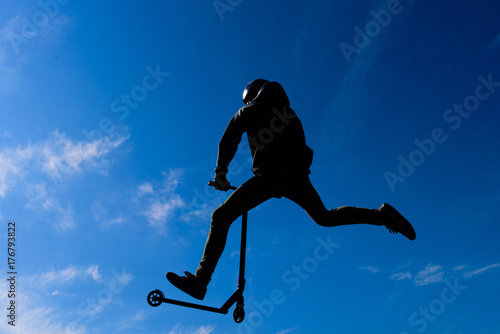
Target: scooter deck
<point x="156" y="298"/>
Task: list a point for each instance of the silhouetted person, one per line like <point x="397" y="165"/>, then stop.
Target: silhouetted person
<point x="281" y="161"/>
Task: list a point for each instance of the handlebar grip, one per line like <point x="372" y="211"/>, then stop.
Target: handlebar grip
<point x="212" y="184"/>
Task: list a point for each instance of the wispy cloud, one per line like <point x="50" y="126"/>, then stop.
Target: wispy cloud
<point x="160" y="199"/>
<point x="178" y="329"/>
<point x="36" y="319"/>
<point x="98" y="211"/>
<point x="65" y="277"/>
<point x="159" y="212"/>
<point x="472" y="273"/>
<point x="114" y="222"/>
<point x="401" y="276"/>
<point x="202" y="204"/>
<point x="431" y="274"/>
<point x="62" y="157"/>
<point x="39" y="199"/>
<point x="289" y="330"/>
<point x="39" y="316"/>
<point x="370" y="269"/>
<point x="101" y="215"/>
<point x="93" y="271"/>
<point x="434" y="273"/>
<point x="171" y="180"/>
<point x="37" y="170"/>
<point x="22" y="30"/>
<point x="168" y="184"/>
<point x="196" y="212"/>
<point x="13" y="164"/>
<point x="144" y="189"/>
<point x="57" y="156"/>
<point x="131" y="321"/>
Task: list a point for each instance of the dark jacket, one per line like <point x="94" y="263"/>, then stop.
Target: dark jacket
<point x="275" y="135"/>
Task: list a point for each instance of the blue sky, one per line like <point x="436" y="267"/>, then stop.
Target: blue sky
<point x="110" y="119"/>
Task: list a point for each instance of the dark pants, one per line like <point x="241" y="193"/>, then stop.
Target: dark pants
<point x="258" y="190"/>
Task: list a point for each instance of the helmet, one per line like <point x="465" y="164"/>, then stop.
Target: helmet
<point x="252" y="89"/>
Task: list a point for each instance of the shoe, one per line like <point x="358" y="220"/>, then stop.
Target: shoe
<point x="190" y="284"/>
<point x="395" y="222"/>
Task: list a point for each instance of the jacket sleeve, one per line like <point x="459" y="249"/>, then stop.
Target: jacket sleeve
<point x="228" y="144"/>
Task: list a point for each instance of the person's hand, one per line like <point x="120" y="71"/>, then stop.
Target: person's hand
<point x="220" y="181"/>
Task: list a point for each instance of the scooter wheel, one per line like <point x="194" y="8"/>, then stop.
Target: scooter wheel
<point x="155" y="297"/>
<point x="239" y="314"/>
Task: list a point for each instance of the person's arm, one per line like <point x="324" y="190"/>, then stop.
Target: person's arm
<point x="228" y="146"/>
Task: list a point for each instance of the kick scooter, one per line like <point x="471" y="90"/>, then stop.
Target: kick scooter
<point x="156" y="297"/>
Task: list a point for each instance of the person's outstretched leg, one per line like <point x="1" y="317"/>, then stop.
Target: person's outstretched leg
<point x="252" y="193"/>
<point x="302" y="192"/>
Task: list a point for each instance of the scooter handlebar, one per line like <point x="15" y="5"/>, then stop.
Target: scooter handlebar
<point x="212" y="184"/>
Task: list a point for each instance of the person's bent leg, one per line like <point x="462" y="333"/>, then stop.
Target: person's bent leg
<point x="252" y="193"/>
<point x="216" y="242"/>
